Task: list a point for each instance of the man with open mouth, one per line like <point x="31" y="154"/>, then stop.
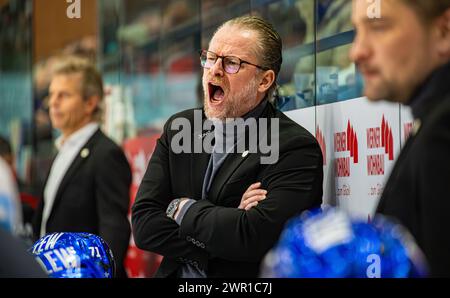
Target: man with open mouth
<point x="216" y="214"/>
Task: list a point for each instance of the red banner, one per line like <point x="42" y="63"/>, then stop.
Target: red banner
<point x="139" y="150"/>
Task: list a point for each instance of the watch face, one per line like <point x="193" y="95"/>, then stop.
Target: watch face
<point x="172" y="207"/>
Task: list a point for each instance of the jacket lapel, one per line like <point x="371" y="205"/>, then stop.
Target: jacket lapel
<point x="199" y="161"/>
<point x="82" y="156"/>
<point x="232" y="162"/>
<point x="199" y="164"/>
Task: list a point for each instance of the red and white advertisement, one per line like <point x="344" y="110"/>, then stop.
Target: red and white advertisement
<point x="360" y="141"/>
<point x="139" y="150"/>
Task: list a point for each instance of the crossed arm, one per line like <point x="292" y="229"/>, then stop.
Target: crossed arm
<point x="250" y="198"/>
<point x="244" y="233"/>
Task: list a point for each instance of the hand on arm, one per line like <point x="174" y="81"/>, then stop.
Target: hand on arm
<point x="252" y="196"/>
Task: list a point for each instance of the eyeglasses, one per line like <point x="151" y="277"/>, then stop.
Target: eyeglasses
<point x="230" y="64"/>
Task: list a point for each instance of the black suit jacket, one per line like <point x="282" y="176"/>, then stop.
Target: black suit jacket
<point x="418" y="190"/>
<point x="93" y="197"/>
<point x="215" y="235"/>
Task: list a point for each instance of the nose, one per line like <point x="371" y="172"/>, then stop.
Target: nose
<point x="52" y="100"/>
<point x="360" y="49"/>
<point x="217" y="69"/>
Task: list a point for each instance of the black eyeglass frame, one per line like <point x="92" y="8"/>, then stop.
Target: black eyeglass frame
<point x="223" y="61"/>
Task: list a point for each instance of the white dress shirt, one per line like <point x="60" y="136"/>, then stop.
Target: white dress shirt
<point x="67" y="152"/>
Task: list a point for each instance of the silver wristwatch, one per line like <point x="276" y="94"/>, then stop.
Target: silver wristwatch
<point x="172" y="208"/>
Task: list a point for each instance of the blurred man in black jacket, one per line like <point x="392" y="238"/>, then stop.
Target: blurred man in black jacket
<point x="404" y="56"/>
<point x="87" y="189"/>
<point x="226" y="208"/>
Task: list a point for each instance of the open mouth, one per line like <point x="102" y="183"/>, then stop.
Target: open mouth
<point x="216" y="93"/>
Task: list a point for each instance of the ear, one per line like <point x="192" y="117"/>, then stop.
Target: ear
<point x="91" y="103"/>
<point x="443" y="30"/>
<point x="267" y="80"/>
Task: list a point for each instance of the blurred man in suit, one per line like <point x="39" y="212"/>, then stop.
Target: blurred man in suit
<point x="87" y="189"/>
<point x="216" y="213"/>
<point x="404" y="54"/>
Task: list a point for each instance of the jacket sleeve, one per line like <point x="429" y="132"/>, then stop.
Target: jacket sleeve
<point x="294" y="184"/>
<point x="152" y="229"/>
<point x="113" y="180"/>
<point x="434" y="184"/>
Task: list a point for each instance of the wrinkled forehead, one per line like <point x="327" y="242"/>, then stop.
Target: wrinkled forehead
<point x="234" y="40"/>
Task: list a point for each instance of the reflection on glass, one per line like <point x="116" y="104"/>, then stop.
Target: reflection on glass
<point x="160" y="42"/>
<point x="337" y="78"/>
<point x="216" y="12"/>
<point x="294" y="21"/>
<point x="16" y="90"/>
<point x="161" y="71"/>
<point x="333" y="16"/>
<point x="179" y="56"/>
